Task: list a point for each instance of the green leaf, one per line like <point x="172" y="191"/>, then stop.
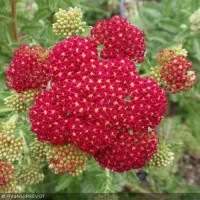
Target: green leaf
<point x="169" y="25"/>
<point x="196" y="46"/>
<point x="41" y="2"/>
<point x="87" y="31"/>
<point x="42" y="13"/>
<point x="64" y="182"/>
<point x="53" y="5"/>
<point x="175" y="145"/>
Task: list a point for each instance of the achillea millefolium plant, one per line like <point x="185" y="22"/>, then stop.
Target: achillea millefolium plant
<point x="85" y="103"/>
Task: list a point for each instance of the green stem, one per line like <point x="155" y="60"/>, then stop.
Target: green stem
<point x="147" y="62"/>
<point x="7" y="46"/>
<point x="3" y="110"/>
<point x="14" y="24"/>
<point x="8" y="36"/>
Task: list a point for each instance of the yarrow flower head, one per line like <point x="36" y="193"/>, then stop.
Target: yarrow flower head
<point x="129" y="151"/>
<point x="28" y="69"/>
<point x="195" y="22"/>
<point x="49" y="123"/>
<point x="174" y="68"/>
<point x="93" y="102"/>
<point x="6" y="171"/>
<point x="66" y="159"/>
<point x="69" y="23"/>
<point x="163" y="157"/>
<point x="120" y="39"/>
<point x="69" y="55"/>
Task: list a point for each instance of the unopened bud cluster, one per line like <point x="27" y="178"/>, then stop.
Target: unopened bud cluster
<point x="163" y="157"/>
<point x="29" y="174"/>
<point x="179" y="51"/>
<point x="6" y="170"/>
<point x="20" y="102"/>
<point x="8" y="128"/>
<point x="10" y="147"/>
<point x="38" y="150"/>
<point x="10" y="187"/>
<point x="164" y="56"/>
<point x="66" y="159"/>
<point x="155" y="74"/>
<point x="195" y="22"/>
<point x="68" y="23"/>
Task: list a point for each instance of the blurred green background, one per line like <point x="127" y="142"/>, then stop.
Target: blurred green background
<point x="165" y="23"/>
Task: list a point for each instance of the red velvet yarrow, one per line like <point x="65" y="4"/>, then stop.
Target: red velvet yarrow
<point x="175" y="74"/>
<point x="90" y="137"/>
<point x="48" y="122"/>
<point x="145" y="106"/>
<point x="86" y="92"/>
<point x="129" y="151"/>
<point x="6" y="170"/>
<point x="99" y="92"/>
<point x="120" y="38"/>
<point x="28" y="69"/>
<point x="68" y="55"/>
<point x="106" y="97"/>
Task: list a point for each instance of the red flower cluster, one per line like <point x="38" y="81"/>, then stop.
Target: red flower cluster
<point x="175" y="71"/>
<point x="164" y="56"/>
<point x="28" y="69"/>
<point x="6" y="170"/>
<point x="47" y="122"/>
<point x="129" y="151"/>
<point x="120" y="38"/>
<point x="93" y="103"/>
<point x="69" y="55"/>
<point x="66" y="159"/>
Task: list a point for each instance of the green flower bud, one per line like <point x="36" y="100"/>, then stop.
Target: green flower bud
<point x="155" y="74"/>
<point x="179" y="51"/>
<point x="163" y="157"/>
<point x="11" y="187"/>
<point x="29" y="174"/>
<point x="66" y="159"/>
<point x="195" y="22"/>
<point x="38" y="150"/>
<point x="68" y="23"/>
<point x="20" y="102"/>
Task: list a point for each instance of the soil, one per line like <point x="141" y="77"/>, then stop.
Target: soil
<point x="189" y="167"/>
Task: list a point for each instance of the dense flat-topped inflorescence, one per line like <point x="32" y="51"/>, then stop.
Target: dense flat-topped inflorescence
<point x="120" y="39"/>
<point x="92" y="102"/>
<point x="28" y="69"/>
